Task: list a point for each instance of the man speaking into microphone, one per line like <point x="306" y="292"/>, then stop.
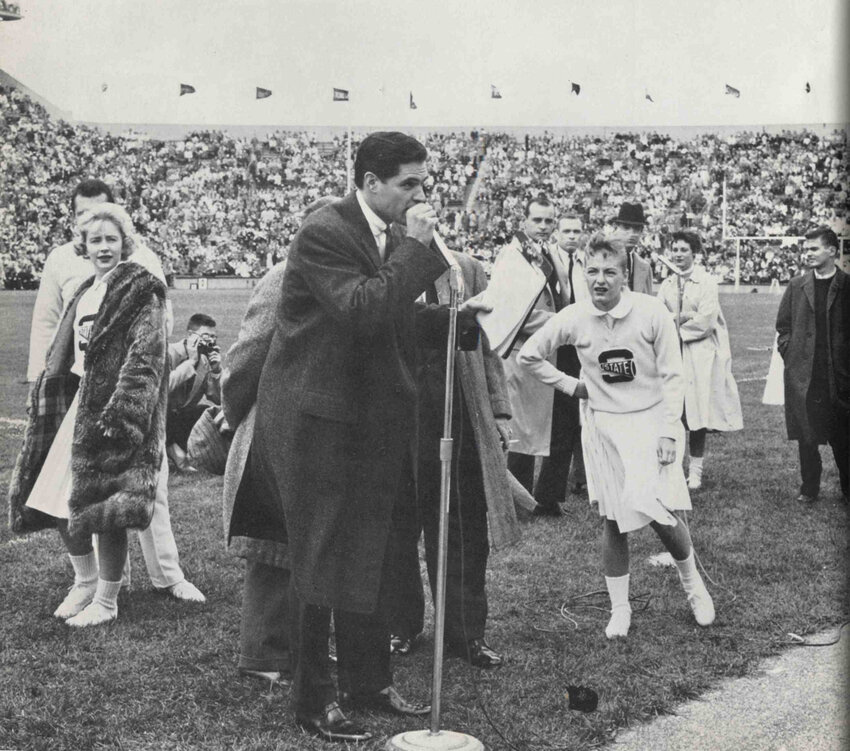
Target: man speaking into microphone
<point x="337" y="422"/>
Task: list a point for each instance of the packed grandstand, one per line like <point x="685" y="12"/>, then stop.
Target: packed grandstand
<point x="214" y="204"/>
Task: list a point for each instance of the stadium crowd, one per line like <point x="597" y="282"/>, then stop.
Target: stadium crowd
<point x="212" y="204"/>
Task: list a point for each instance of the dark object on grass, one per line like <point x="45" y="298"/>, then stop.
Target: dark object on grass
<point x="582" y="698"/>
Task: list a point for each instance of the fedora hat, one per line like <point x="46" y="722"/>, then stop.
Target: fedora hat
<point x="630" y="213"/>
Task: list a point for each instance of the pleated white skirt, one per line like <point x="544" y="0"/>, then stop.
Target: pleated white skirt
<point x="624" y="479"/>
<point x="52" y="489"/>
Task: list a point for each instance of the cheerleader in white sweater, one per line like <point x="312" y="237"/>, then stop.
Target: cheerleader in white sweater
<point x="632" y="433"/>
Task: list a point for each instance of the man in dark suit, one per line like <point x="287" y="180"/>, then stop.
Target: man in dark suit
<point x="336" y="425"/>
<point x="629" y="225"/>
<point x="813" y="327"/>
<point x="480" y="491"/>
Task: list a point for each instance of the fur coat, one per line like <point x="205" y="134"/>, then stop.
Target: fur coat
<point x="125" y="390"/>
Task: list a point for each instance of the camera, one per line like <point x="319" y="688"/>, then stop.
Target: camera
<point x="207" y="343"/>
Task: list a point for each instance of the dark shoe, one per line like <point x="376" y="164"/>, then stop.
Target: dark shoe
<point x="540" y="510"/>
<point x="807" y="500"/>
<point x="400" y="645"/>
<point x="478" y="653"/>
<point x="333" y="725"/>
<point x="391" y="701"/>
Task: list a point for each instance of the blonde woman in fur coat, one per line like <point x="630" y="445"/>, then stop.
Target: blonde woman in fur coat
<point x="93" y="445"/>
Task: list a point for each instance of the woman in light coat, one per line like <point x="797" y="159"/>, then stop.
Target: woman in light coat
<point x="711" y="396"/>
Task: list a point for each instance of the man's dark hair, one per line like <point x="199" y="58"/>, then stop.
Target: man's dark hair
<point x="825" y="235"/>
<point x="384" y="152"/>
<point x="91" y="188"/>
<point x="200" y="319"/>
<point x="541" y="199"/>
<point x="691" y="238"/>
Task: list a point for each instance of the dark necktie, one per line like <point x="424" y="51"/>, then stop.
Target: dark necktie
<point x="570" y="277"/>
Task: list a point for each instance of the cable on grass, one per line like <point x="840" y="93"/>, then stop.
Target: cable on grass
<point x="799" y="641"/>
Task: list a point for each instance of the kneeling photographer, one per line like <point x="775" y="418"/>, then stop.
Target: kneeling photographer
<point x="194" y="384"/>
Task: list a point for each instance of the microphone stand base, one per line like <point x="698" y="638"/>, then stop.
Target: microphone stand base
<point x="425" y="740"/>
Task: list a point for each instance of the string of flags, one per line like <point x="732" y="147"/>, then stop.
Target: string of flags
<point x="342" y="95"/>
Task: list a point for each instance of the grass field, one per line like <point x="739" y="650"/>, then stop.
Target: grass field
<point x="164" y="676"/>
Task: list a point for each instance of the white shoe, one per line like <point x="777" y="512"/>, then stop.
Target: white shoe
<point x="621" y="620"/>
<point x="701" y="604"/>
<point x="93" y="615"/>
<point x="78" y="597"/>
<point x="187" y="591"/>
<point x="694" y="482"/>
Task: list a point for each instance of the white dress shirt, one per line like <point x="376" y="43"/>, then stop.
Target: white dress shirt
<point x="376" y="224"/>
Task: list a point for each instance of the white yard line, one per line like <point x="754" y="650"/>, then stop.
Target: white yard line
<point x="12" y="421"/>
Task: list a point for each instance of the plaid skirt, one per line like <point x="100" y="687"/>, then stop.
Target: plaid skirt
<point x="624" y="479"/>
<point x="52" y="489"/>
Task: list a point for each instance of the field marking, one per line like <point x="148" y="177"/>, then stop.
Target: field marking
<point x="12" y="421"/>
<point x="751" y="380"/>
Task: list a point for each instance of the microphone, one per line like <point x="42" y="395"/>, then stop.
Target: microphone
<point x="455" y="275"/>
<point x="672" y="267"/>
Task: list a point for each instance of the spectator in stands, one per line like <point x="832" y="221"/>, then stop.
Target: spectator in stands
<point x="93" y="472"/>
<point x="64" y="272"/>
<point x="194" y="383"/>
<point x="814" y="341"/>
<point x="711" y="394"/>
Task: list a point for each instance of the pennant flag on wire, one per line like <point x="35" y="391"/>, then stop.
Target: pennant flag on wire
<point x="494" y="92"/>
<point x="263" y="93"/>
<point x="412" y="103"/>
<point x="185" y="88"/>
<point x="808" y="87"/>
<point x="733" y="91"/>
<point x="575" y="88"/>
<point x="105" y="86"/>
<point x="340" y="95"/>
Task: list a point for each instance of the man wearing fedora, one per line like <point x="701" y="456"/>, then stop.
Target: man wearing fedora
<point x="628" y="225"/>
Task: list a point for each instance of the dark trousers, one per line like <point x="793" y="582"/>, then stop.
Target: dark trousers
<point x="179" y="424"/>
<point x="834" y="424"/>
<point x="564" y="444"/>
<point x="521" y="466"/>
<point x="467" y="550"/>
<point x="362" y="639"/>
<point x="565" y="439"/>
<point x="264" y="632"/>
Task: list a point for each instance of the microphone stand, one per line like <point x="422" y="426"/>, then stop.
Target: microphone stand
<point x="434" y="738"/>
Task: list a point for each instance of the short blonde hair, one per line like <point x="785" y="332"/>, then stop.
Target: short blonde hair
<point x="111" y="212"/>
<point x="608" y="247"/>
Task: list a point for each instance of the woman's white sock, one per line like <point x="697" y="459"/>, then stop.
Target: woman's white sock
<point x="621" y="610"/>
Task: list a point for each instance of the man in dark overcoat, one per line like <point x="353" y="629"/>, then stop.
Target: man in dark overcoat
<point x="336" y="424"/>
<point x="813" y="325"/>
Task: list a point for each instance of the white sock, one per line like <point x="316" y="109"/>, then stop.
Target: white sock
<point x="85" y="583"/>
<point x="695" y="467"/>
<point x="699" y="599"/>
<point x="621" y="610"/>
<point x="688" y="573"/>
<point x="103" y="608"/>
<point x="107" y="594"/>
<point x="85" y="568"/>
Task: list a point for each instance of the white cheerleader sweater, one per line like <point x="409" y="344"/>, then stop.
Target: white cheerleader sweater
<point x="630" y="356"/>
